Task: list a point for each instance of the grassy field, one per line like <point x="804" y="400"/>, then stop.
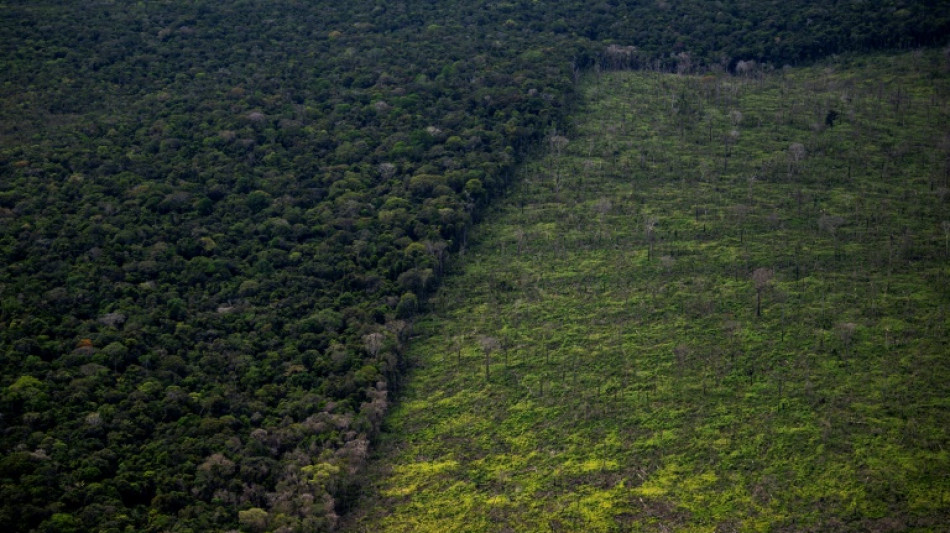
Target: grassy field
<point x="720" y="303"/>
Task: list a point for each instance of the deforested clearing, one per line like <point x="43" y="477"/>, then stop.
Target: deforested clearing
<point x="718" y="303"/>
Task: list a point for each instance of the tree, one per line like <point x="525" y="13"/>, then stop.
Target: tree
<point x="489" y="344"/>
<point x="728" y="141"/>
<point x="796" y="154"/>
<point x="746" y="68"/>
<point x="386" y="170"/>
<point x="762" y="279"/>
<point x="557" y="143"/>
<point x="846" y="334"/>
<point x="373" y="342"/>
<point x="408" y="303"/>
<point x="255" y="519"/>
<point x="830" y="224"/>
<point x="257" y="201"/>
<point x="649" y="229"/>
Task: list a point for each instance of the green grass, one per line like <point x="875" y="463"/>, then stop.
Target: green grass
<point x="630" y="384"/>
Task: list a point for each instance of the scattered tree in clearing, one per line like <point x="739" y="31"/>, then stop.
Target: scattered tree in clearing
<point x="728" y="141"/>
<point x="489" y="344"/>
<point x="735" y="116"/>
<point x="681" y="352"/>
<point x="846" y="334"/>
<point x="796" y="154"/>
<point x="667" y="262"/>
<point x="762" y="279"/>
<point x="649" y="229"/>
<point x="557" y="143"/>
<point x="830" y="224"/>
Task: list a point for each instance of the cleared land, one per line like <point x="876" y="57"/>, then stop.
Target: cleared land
<point x="721" y="303"/>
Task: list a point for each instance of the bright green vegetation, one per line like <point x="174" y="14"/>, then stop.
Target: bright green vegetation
<point x="600" y="363"/>
<point x="219" y="219"/>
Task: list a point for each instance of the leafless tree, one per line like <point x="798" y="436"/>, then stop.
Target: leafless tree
<point x="796" y="154"/>
<point x="846" y="334"/>
<point x="684" y="63"/>
<point x="489" y="344"/>
<point x="400" y="328"/>
<point x="762" y="279"/>
<point x="736" y="117"/>
<point x="649" y="229"/>
<point x="728" y="141"/>
<point x="681" y="352"/>
<point x="620" y="57"/>
<point x="373" y="342"/>
<point x="557" y="143"/>
<point x="740" y="212"/>
<point x="386" y="170"/>
<point x="602" y="207"/>
<point x="830" y="223"/>
<point x="437" y="249"/>
<point x="520" y="239"/>
<point x="667" y="262"/>
<point x="745" y="68"/>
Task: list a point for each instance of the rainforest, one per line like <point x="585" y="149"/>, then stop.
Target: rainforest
<point x="474" y="266"/>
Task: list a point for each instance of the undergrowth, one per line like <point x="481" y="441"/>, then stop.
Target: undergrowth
<point x="719" y="304"/>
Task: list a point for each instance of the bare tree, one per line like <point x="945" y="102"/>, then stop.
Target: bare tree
<point x="489" y="344"/>
<point x="736" y="117"/>
<point x="520" y="239"/>
<point x="846" y="334"/>
<point x="620" y="57"/>
<point x="400" y="328"/>
<point x="458" y="341"/>
<point x="437" y="249"/>
<point x="386" y="170"/>
<point x="745" y="68"/>
<point x="681" y="352"/>
<point x="796" y="154"/>
<point x="557" y="142"/>
<point x="728" y="141"/>
<point x="667" y="262"/>
<point x="740" y="212"/>
<point x="373" y="342"/>
<point x="684" y="63"/>
<point x="830" y="224"/>
<point x="602" y="207"/>
<point x="762" y="279"/>
<point x="649" y="229"/>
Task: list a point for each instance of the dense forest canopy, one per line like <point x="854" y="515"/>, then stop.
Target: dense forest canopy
<point x="217" y="220"/>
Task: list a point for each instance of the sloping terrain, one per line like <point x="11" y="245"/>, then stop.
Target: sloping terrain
<point x="720" y="305"/>
<point x="218" y="220"/>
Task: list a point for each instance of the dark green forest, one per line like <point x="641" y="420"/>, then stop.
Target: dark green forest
<point x="218" y="221"/>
